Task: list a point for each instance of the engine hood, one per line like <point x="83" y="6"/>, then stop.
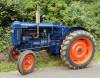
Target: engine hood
<point x="18" y="24"/>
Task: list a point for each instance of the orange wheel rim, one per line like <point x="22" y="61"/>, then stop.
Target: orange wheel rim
<point x="81" y="50"/>
<point x="15" y="53"/>
<point x="28" y="62"/>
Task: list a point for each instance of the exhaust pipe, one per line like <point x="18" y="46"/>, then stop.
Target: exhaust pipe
<point x="37" y="20"/>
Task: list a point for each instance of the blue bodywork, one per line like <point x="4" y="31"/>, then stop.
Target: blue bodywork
<point x="50" y="36"/>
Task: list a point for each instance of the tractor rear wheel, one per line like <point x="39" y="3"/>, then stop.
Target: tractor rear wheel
<point x="13" y="54"/>
<point x="26" y="62"/>
<point x="78" y="48"/>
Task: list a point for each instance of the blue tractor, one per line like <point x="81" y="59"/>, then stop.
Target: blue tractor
<point x="75" y="45"/>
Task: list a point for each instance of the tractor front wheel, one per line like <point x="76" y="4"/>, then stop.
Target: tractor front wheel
<point x="78" y="48"/>
<point x="13" y="54"/>
<point x="26" y="62"/>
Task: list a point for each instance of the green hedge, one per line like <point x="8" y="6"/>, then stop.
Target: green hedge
<point x="84" y="13"/>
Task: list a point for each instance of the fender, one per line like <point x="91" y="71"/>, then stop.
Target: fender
<point x="76" y="28"/>
<point x="67" y="31"/>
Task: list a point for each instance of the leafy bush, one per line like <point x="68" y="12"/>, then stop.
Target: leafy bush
<point x="84" y="13"/>
<point x="5" y="40"/>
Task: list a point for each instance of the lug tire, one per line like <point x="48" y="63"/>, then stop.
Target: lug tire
<point x="26" y="62"/>
<point x="78" y="41"/>
<point x="13" y="54"/>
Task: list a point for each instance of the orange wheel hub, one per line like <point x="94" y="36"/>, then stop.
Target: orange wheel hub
<point x="28" y="62"/>
<point x="81" y="50"/>
<point x="15" y="53"/>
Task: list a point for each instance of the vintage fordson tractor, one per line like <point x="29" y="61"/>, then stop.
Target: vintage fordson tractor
<point x="75" y="45"/>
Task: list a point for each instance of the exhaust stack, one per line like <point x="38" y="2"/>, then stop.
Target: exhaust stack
<point x="37" y="19"/>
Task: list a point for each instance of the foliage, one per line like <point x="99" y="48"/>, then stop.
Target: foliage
<point x="7" y="12"/>
<point x="83" y="13"/>
<point x="4" y="38"/>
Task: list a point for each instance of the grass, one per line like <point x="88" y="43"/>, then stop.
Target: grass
<point x="54" y="61"/>
<point x="45" y="60"/>
<point x="7" y="67"/>
<point x="97" y="54"/>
